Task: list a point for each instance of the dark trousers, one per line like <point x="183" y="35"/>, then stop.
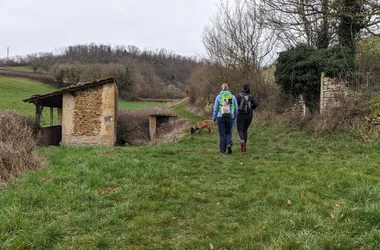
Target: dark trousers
<point x="225" y="132"/>
<point x="243" y="122"/>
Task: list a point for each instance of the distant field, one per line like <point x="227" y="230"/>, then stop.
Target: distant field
<point x="22" y="68"/>
<point x="138" y="105"/>
<point x="27" y="69"/>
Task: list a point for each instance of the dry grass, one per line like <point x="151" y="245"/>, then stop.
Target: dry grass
<point x="171" y="131"/>
<point x="349" y="117"/>
<point x="17" y="146"/>
<point x="336" y="119"/>
<point x="202" y="111"/>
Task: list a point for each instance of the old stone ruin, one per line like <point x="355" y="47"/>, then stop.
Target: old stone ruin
<point x="332" y="95"/>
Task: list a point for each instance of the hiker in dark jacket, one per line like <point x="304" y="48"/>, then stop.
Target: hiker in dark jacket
<point x="246" y="103"/>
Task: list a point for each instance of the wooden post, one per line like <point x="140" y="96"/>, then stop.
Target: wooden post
<point x="152" y="127"/>
<point x="59" y="113"/>
<point x="51" y="116"/>
<point x="321" y="94"/>
<point x="39" y="109"/>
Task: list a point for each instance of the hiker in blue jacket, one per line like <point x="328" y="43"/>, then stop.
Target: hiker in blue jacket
<point x="225" y="114"/>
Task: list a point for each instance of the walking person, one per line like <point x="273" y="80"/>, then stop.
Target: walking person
<point x="246" y="103"/>
<point x="225" y="113"/>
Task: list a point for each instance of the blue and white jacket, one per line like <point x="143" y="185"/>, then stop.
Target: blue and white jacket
<point x="216" y="113"/>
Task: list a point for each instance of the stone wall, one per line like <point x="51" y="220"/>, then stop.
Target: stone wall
<point x="298" y="109"/>
<point x="88" y="109"/>
<point x="89" y="116"/>
<point x="333" y="92"/>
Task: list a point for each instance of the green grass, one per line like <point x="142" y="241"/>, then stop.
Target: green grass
<point x="375" y="105"/>
<point x="181" y="111"/>
<point x="290" y="190"/>
<point x="123" y="105"/>
<point x="14" y="90"/>
<point x="27" y="69"/>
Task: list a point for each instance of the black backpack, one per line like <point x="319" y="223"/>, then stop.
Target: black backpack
<point x="247" y="103"/>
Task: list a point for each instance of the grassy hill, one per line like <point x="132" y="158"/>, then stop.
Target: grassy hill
<point x="14" y="90"/>
<point x="291" y="190"/>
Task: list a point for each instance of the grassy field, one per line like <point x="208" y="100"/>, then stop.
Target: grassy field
<point x="123" y="105"/>
<point x="14" y="90"/>
<point x="23" y="69"/>
<point x="290" y="190"/>
<point x="27" y="69"/>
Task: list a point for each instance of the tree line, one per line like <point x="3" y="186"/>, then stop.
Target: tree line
<point x="139" y="73"/>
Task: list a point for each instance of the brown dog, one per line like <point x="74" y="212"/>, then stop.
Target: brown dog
<point x="201" y="125"/>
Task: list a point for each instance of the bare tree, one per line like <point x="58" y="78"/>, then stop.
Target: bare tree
<point x="298" y="21"/>
<point x="238" y="40"/>
<point x="316" y="22"/>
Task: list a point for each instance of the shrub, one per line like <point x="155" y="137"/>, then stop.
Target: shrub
<point x="297" y="73"/>
<point x="298" y="70"/>
<point x="17" y="146"/>
<point x="133" y="126"/>
<point x="199" y="87"/>
<point x="351" y="111"/>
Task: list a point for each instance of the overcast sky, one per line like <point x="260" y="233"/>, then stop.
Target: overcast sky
<point x="29" y="26"/>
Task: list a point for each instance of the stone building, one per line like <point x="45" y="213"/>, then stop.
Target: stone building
<point x="87" y="114"/>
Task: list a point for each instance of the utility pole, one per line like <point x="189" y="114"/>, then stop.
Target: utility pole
<point x="7" y="54"/>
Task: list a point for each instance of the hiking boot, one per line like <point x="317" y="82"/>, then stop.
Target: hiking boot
<point x="229" y="149"/>
<point x="222" y="154"/>
<point x="243" y="148"/>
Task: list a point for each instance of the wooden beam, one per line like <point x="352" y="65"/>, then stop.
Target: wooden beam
<point x="38" y="114"/>
<point x="59" y="112"/>
<point x="51" y="116"/>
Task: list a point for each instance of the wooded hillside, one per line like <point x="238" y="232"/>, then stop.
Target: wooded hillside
<point x="140" y="74"/>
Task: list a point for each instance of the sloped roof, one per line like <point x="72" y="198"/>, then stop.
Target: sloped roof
<point x="54" y="99"/>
